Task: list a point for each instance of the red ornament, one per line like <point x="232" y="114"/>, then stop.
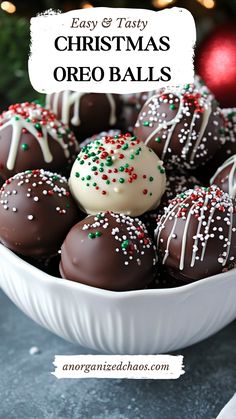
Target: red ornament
<point x="216" y="64"/>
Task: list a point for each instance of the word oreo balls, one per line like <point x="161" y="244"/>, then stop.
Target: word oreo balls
<point x="183" y="126"/>
<point x="110" y="251"/>
<point x="85" y="113"/>
<point x="36" y="213"/>
<point x="119" y="174"/>
<point x="196" y="236"/>
<point x="32" y="137"/>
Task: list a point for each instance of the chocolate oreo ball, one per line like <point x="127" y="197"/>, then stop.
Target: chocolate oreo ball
<point x="30" y="137"/>
<point x="36" y="213"/>
<point x="225" y="176"/>
<point x="182" y="126"/>
<point x="85" y="113"/>
<point x="109" y="251"/>
<point x="119" y="174"/>
<point x="196" y="236"/>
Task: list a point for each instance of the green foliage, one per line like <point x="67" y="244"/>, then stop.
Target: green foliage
<point x="14" y="49"/>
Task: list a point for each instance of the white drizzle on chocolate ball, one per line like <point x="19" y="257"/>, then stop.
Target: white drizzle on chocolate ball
<point x="30" y="135"/>
<point x="196" y="235"/>
<point x="182" y="126"/>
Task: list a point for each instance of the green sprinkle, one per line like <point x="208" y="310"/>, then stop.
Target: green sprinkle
<point x="125" y="147"/>
<point x="88" y="177"/>
<point x="125" y="244"/>
<point x="133" y="138"/>
<point x="27" y="119"/>
<point x="116" y="136"/>
<point x="146" y="124"/>
<point x="109" y="163"/>
<point x="87" y="184"/>
<point x="187" y="86"/>
<point x="126" y="165"/>
<point x="17" y="118"/>
<point x="161" y="169"/>
<point x="83" y="178"/>
<point x="77" y="174"/>
<point x="137" y="152"/>
<point x="102" y="164"/>
<point x="121" y="168"/>
<point x="55" y="177"/>
<point x="37" y="126"/>
<point x="131" y="156"/>
<point x="81" y="162"/>
<point x="158" y="139"/>
<point x="94" y="168"/>
<point x="108" y="182"/>
<point x="150" y="194"/>
<point x="101" y="169"/>
<point x="24" y="147"/>
<point x="121" y="180"/>
<point x="98" y="234"/>
<point x="91" y="235"/>
<point x="172" y="107"/>
<point x="94" y="184"/>
<point x="151" y="178"/>
<point x="67" y="206"/>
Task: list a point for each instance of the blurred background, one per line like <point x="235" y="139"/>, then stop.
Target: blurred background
<point x="215" y="49"/>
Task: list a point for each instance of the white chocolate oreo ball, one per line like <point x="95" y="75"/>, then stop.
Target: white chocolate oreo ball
<point x="117" y="174"/>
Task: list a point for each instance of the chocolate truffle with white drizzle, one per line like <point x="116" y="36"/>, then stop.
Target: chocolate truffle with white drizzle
<point x="85" y="113"/>
<point x="32" y="137"/>
<point x="225" y="176"/>
<point x="196" y="237"/>
<point x="182" y="126"/>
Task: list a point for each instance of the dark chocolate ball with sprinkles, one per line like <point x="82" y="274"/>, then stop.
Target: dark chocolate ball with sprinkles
<point x="110" y="251"/>
<point x="31" y="136"/>
<point x="36" y="213"/>
<point x="225" y="176"/>
<point x="182" y="125"/>
<point x="119" y="174"/>
<point x="196" y="236"/>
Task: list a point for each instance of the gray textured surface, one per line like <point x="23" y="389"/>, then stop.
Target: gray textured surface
<point x="28" y="391"/>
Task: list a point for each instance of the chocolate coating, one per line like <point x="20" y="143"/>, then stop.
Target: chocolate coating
<point x="36" y="213"/>
<point x="30" y="137"/>
<point x="182" y="126"/>
<point x="196" y="237"/>
<point x="225" y="176"/>
<point x="85" y="113"/>
<point x="110" y="251"/>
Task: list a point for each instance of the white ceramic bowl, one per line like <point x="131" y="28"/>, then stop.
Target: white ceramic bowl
<point x="134" y="322"/>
